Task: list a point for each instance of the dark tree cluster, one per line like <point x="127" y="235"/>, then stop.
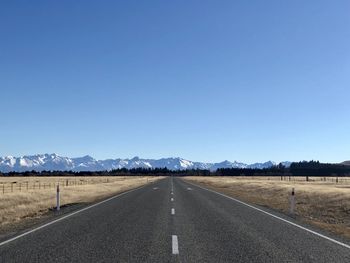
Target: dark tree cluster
<point x="315" y="168"/>
<point x="116" y="172"/>
<point x="312" y="168"/>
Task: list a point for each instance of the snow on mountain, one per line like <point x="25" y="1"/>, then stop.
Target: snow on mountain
<point x="286" y="164"/>
<point x="37" y="162"/>
<point x="262" y="165"/>
<point x="54" y="162"/>
<point x="174" y="163"/>
<point x="228" y="164"/>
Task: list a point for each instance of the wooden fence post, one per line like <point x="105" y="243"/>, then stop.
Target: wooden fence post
<point x="58" y="198"/>
<point x="292" y="202"/>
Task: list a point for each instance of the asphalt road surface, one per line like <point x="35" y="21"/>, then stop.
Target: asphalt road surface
<point x="172" y="221"/>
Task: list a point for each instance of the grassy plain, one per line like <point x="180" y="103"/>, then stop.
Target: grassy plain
<point x="31" y="197"/>
<point x="325" y="203"/>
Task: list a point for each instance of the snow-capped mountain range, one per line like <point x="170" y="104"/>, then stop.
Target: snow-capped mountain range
<point x="54" y="162"/>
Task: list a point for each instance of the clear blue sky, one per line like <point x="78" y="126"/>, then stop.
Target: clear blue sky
<point x="204" y="80"/>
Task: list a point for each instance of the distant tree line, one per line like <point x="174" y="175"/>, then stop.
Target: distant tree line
<point x="311" y="168"/>
<point x="315" y="168"/>
<point x="116" y="172"/>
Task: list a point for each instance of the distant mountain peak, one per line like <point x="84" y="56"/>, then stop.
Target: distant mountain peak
<point x="56" y="162"/>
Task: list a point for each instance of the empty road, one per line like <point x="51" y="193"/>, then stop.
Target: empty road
<point x="172" y="221"/>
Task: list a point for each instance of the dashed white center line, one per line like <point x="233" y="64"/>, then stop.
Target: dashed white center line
<point x="175" y="245"/>
<point x="155" y="188"/>
<point x="189" y="189"/>
<point x="172" y="199"/>
<point x="173" y="211"/>
<point x="172" y="193"/>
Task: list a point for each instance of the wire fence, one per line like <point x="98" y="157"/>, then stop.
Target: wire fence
<point x="37" y="185"/>
<point x="317" y="179"/>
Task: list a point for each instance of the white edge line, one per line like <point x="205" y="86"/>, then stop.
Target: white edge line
<point x="175" y="245"/>
<point x="277" y="217"/>
<point x="66" y="216"/>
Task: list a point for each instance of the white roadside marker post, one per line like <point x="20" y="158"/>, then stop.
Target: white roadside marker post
<point x="58" y="198"/>
<point x="292" y="202"/>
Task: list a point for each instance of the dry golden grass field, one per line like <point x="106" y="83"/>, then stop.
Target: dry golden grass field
<point x="321" y="201"/>
<point x="24" y="198"/>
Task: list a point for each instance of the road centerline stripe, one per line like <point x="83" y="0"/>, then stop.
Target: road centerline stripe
<point x="173" y="211"/>
<point x="175" y="245"/>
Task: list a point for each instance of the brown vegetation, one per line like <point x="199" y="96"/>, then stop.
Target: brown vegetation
<point x="325" y="204"/>
<point x="22" y="203"/>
